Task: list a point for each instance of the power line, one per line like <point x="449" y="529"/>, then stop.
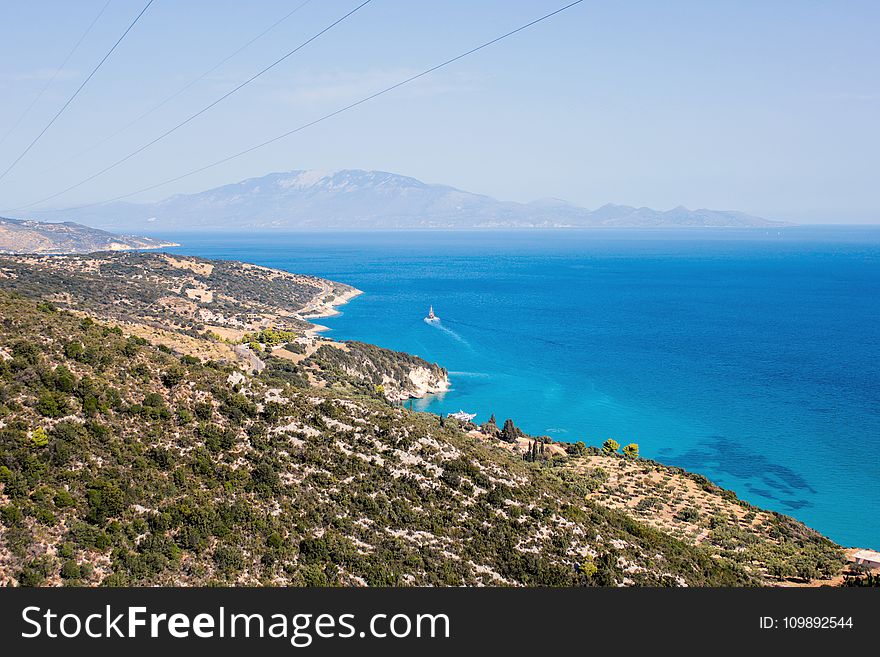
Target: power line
<point x="197" y="114"/>
<point x="76" y="93"/>
<point x="184" y="88"/>
<point x="58" y="70"/>
<point x="316" y="121"/>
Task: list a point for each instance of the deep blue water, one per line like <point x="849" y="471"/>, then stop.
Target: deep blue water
<point x="750" y="356"/>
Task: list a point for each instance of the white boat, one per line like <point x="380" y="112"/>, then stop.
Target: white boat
<point x="461" y="415"/>
<point x="432" y="318"/>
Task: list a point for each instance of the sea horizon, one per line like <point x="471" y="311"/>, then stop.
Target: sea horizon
<point x="634" y="230"/>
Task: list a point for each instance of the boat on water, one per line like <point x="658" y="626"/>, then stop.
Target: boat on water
<point x="461" y="415"/>
<point x="432" y="318"/>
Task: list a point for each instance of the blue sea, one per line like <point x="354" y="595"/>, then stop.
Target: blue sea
<point x="750" y="356"/>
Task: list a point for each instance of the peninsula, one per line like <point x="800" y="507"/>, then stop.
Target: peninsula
<point x="26" y="236"/>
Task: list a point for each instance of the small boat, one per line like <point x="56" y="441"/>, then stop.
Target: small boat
<point x="462" y="416"/>
<point x="432" y="318"/>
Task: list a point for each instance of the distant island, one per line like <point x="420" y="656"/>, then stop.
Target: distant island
<point x="26" y="236"/>
<point x="353" y="199"/>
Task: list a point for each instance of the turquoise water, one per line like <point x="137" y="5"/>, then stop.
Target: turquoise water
<point x="750" y="356"/>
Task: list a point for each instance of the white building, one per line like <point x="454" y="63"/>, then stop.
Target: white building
<point x="867" y="558"/>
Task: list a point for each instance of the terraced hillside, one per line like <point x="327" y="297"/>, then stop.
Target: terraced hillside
<point x="690" y="507"/>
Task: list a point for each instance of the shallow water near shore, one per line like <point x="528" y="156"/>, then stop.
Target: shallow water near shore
<point x="749" y="356"/>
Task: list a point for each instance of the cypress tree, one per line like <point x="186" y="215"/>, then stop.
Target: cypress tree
<point x="508" y="432"/>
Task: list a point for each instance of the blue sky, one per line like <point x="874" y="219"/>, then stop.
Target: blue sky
<point x="769" y="107"/>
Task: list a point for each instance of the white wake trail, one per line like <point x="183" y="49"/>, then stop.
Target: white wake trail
<point x="437" y="325"/>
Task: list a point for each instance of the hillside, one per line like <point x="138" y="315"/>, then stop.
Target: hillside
<point x="23" y="236"/>
<point x="125" y="462"/>
<point x="231" y="312"/>
<point x="183" y="294"/>
<point x="355" y="199"/>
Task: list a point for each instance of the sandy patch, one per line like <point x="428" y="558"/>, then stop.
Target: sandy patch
<point x="200" y="294"/>
<point x="200" y="268"/>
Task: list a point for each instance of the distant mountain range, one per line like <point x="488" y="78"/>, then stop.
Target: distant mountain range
<point x="356" y="199"/>
<point x="25" y="236"/>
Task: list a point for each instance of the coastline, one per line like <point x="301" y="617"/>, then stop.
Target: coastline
<point x="325" y="304"/>
<point x="113" y="247"/>
<point x="616" y="492"/>
<point x="322" y="306"/>
<point x="671" y="431"/>
<point x="424" y="388"/>
<point x="164" y="245"/>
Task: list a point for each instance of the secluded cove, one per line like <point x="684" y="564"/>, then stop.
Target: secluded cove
<point x="752" y="357"/>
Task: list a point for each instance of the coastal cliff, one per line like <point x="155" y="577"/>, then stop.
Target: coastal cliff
<point x="397" y="375"/>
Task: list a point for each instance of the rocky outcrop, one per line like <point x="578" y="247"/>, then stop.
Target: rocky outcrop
<point x="422" y="381"/>
<point x="400" y="375"/>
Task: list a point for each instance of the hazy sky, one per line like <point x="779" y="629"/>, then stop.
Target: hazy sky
<point x="769" y="107"/>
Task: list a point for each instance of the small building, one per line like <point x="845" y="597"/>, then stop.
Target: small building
<point x="867" y="558"/>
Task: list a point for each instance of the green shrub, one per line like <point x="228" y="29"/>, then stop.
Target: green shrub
<point x="39" y="437"/>
<point x="610" y="446"/>
<point x="105" y="500"/>
<point x="70" y="570"/>
<point x="11" y="515"/>
<point x="52" y="404"/>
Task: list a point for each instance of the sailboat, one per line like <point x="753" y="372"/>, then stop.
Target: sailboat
<point x="432" y="318"/>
